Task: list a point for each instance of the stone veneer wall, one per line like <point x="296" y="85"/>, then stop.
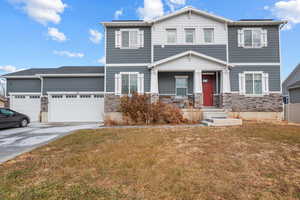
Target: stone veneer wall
<point x="241" y="103"/>
<point x="7" y="103"/>
<point x="111" y="103"/>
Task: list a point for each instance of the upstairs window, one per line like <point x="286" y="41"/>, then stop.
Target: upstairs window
<point x="181" y="86"/>
<point x="189" y="35"/>
<point x="208" y="35"/>
<point x="171" y="36"/>
<point x="252" y="38"/>
<point x="129" y="39"/>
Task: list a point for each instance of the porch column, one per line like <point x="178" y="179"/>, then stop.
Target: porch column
<point x="154" y="85"/>
<point x="226" y="81"/>
<point x="198" y="91"/>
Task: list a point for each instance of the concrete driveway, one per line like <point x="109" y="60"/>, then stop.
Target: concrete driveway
<point x="16" y="141"/>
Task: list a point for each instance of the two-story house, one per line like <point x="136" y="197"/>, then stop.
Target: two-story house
<point x="191" y="58"/>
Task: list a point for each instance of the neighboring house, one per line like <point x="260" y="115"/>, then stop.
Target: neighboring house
<point x="291" y="92"/>
<point x="190" y="58"/>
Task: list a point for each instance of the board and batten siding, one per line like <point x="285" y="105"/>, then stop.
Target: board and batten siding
<point x="295" y="95"/>
<point x="167" y="82"/>
<point x="273" y="71"/>
<point x="111" y="71"/>
<point x="73" y="84"/>
<point x="269" y="54"/>
<point x="23" y="85"/>
<point x="117" y="55"/>
<point x="216" y="51"/>
<point x="186" y="20"/>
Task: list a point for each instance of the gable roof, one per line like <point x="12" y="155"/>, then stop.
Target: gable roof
<point x="56" y="71"/>
<point x="191" y="9"/>
<point x="190" y="53"/>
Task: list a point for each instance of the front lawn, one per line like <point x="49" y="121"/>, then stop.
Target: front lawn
<point x="255" y="161"/>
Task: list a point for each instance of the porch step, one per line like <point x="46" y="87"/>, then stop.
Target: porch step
<point x="222" y="122"/>
<point x="214" y="114"/>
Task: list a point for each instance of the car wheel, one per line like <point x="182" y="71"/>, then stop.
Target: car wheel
<point x="24" y="123"/>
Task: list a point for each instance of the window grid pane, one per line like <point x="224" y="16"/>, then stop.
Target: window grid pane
<point x="257" y="84"/>
<point x="208" y="35"/>
<point x="133" y="38"/>
<point x="248" y="38"/>
<point x="171" y="36"/>
<point x="181" y="86"/>
<point x="125" y="38"/>
<point x="125" y="83"/>
<point x="249" y="83"/>
<point x="256" y="38"/>
<point x="133" y="83"/>
<point x="189" y="35"/>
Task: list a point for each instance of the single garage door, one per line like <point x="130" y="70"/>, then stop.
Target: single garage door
<point x="76" y="108"/>
<point x="29" y="105"/>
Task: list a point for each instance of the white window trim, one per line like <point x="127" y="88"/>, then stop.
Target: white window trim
<point x="264" y="85"/>
<point x="140" y="83"/>
<point x="187" y="86"/>
<point x="194" y="36"/>
<point x="214" y="33"/>
<point x="252" y="47"/>
<point x="139" y="45"/>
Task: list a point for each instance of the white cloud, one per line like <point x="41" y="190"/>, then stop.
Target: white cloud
<point x="69" y="54"/>
<point x="56" y="35"/>
<point x="118" y="13"/>
<point x="95" y="36"/>
<point x="102" y="60"/>
<point x="152" y="9"/>
<point x="174" y="4"/>
<point x="42" y="11"/>
<point x="288" y="10"/>
<point x="10" y="68"/>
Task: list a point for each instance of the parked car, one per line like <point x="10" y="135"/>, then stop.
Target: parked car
<point x="10" y="119"/>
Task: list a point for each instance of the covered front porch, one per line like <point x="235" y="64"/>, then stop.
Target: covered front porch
<point x="190" y="80"/>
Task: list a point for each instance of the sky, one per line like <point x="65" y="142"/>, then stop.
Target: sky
<point x="54" y="33"/>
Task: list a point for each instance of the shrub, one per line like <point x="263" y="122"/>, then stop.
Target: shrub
<point x="140" y="110"/>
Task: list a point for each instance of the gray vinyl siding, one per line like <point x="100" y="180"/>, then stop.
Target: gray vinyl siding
<point x="167" y="82"/>
<point x="216" y="51"/>
<point x="117" y="55"/>
<point x="270" y="54"/>
<point x="111" y="71"/>
<point x="73" y="84"/>
<point x="273" y="71"/>
<point x="294" y="95"/>
<point x="23" y="85"/>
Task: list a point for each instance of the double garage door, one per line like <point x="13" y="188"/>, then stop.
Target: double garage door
<point x="76" y="108"/>
<point x="62" y="107"/>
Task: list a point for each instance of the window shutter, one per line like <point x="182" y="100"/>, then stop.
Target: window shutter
<point x="140" y="83"/>
<point x="242" y="83"/>
<point x="240" y="38"/>
<point x="141" y="39"/>
<point x="265" y="37"/>
<point x="265" y="83"/>
<point x="117" y="84"/>
<point x="118" y="39"/>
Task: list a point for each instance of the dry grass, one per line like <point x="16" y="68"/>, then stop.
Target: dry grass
<point x="256" y="161"/>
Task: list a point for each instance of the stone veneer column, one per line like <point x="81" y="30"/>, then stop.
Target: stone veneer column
<point x="198" y="100"/>
<point x="44" y="109"/>
<point x="7" y="103"/>
<point x="154" y="98"/>
<point x="111" y="103"/>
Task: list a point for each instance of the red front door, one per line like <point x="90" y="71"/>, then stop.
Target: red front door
<point x="208" y="89"/>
